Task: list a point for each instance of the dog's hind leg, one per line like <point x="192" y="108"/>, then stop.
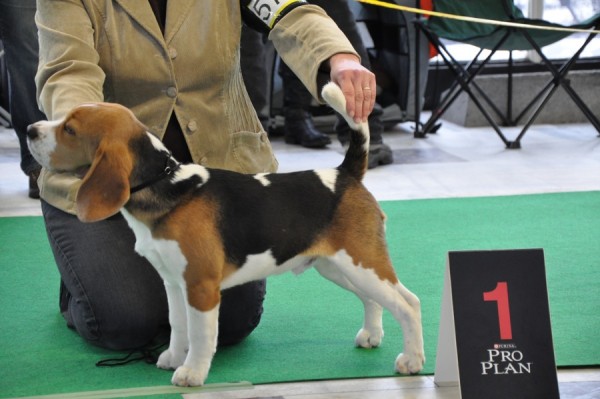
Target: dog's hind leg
<point x="371" y="333"/>
<point x="406" y="362"/>
<point x="393" y="296"/>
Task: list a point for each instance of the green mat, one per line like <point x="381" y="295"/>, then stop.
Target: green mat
<point x="309" y="325"/>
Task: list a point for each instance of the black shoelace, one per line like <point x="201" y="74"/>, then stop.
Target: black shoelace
<point x="148" y="354"/>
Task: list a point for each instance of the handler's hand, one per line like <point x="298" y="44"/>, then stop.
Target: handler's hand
<point x="357" y="84"/>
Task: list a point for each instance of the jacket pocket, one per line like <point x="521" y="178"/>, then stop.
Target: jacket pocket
<point x="252" y="153"/>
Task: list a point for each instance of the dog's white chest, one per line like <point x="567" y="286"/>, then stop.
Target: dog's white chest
<point x="164" y="255"/>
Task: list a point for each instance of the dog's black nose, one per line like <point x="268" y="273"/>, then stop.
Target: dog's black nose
<point x="32" y="132"/>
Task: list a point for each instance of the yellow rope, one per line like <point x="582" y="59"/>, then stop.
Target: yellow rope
<point x="473" y="19"/>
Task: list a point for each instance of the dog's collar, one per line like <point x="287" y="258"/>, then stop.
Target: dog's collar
<point x="171" y="165"/>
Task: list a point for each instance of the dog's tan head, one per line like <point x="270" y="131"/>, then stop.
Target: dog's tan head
<point x="94" y="138"/>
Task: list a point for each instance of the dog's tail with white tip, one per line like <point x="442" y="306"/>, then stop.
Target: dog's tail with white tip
<point x="356" y="159"/>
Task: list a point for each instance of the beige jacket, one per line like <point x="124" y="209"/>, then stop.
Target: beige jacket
<point x="103" y="50"/>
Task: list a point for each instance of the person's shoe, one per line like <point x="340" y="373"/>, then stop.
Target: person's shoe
<point x="300" y="129"/>
<point x="34" y="190"/>
<point x="64" y="299"/>
<point x="380" y="154"/>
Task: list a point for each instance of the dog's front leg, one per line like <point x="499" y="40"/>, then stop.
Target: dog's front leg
<point x="202" y="333"/>
<point x="175" y="355"/>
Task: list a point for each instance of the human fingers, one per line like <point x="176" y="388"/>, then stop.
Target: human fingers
<point x="357" y="84"/>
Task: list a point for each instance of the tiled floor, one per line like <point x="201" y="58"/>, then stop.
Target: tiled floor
<point x="456" y="162"/>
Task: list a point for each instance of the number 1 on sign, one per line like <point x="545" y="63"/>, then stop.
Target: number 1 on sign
<point x="500" y="295"/>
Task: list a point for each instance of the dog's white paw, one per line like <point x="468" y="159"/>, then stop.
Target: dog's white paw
<point x="410" y="363"/>
<point x="169" y="360"/>
<point x="368" y="339"/>
<point x="189" y="377"/>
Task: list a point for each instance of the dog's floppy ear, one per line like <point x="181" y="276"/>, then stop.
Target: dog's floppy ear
<point x="105" y="188"/>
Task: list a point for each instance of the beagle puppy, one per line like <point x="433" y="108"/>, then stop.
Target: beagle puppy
<point x="205" y="229"/>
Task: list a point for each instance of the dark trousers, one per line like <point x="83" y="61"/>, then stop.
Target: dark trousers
<point x="114" y="298"/>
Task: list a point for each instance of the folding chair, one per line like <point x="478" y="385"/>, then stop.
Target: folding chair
<point x="495" y="38"/>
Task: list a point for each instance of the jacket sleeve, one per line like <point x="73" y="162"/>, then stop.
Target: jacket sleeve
<point x="263" y="15"/>
<point x="68" y="72"/>
<point x="305" y="39"/>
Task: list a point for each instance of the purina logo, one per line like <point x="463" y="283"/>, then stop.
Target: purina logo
<point x="505" y="346"/>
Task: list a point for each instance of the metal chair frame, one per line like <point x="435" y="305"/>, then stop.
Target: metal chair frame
<point x="465" y="82"/>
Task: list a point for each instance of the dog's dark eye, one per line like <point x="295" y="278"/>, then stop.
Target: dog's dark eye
<point x="69" y="130"/>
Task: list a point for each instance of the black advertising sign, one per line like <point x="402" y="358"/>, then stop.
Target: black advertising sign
<point x="495" y="334"/>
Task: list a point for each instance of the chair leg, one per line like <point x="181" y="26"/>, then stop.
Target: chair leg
<point x="5" y="119"/>
<point x="509" y="89"/>
<point x="418" y="133"/>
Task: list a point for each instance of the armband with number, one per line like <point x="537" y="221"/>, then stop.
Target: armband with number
<point x="263" y="15"/>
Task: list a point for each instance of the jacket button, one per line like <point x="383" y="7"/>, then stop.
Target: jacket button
<point x="172" y="92"/>
<point x="192" y="126"/>
<point x="172" y="53"/>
